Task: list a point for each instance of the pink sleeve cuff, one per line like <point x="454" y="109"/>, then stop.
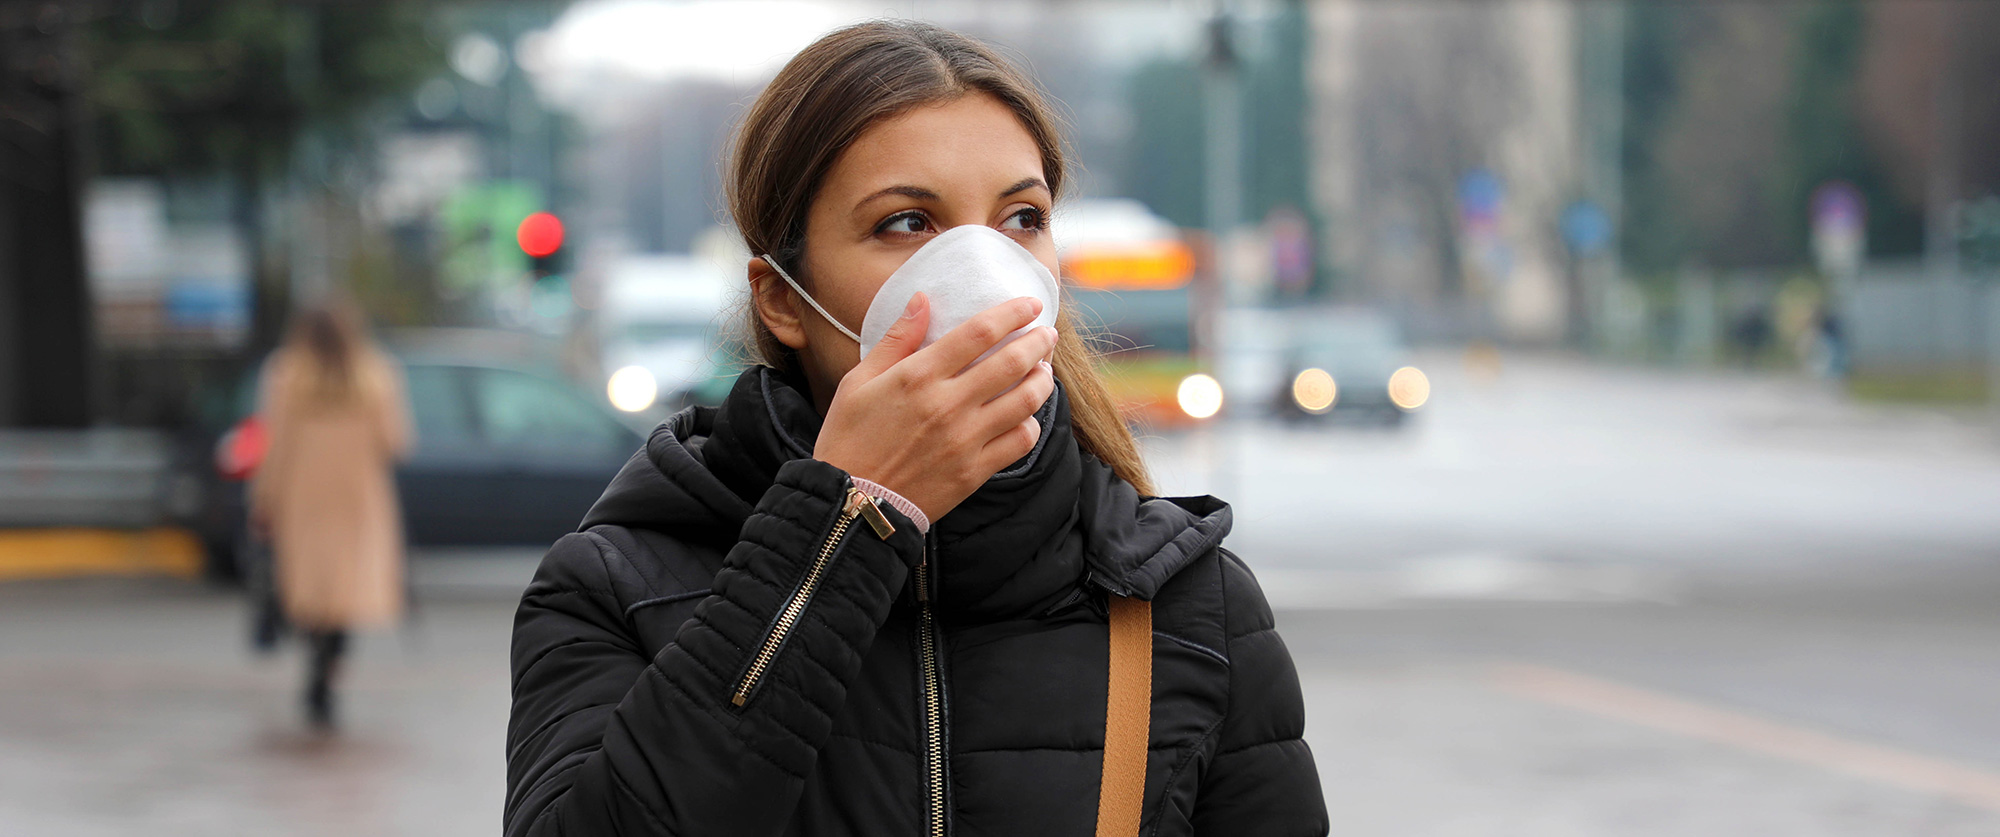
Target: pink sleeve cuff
<point x="895" y="501"/>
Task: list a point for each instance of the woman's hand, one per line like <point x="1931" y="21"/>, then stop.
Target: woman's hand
<point x="931" y="425"/>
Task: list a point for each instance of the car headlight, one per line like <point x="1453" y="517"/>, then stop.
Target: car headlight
<point x="1199" y="396"/>
<point x="1314" y="391"/>
<point x="1409" y="388"/>
<point x="632" y="389"/>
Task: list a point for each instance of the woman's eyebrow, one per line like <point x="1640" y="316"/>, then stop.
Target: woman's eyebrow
<point x="917" y="192"/>
<point x="923" y="194"/>
<point x="1026" y="183"/>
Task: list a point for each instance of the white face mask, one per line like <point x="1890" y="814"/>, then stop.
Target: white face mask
<point x="965" y="270"/>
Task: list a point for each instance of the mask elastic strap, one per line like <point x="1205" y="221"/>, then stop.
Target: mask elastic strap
<point x="809" y="299"/>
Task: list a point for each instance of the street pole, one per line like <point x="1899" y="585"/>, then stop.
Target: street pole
<point x="1223" y="166"/>
<point x="1224" y="145"/>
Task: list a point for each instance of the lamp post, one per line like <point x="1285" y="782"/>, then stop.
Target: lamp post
<point x="1223" y="169"/>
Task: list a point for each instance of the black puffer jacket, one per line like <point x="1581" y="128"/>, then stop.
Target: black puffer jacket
<point x="876" y="696"/>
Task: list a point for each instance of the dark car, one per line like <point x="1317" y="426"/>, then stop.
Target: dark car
<point x="1340" y="364"/>
<point x="506" y="452"/>
<point x="503" y="456"/>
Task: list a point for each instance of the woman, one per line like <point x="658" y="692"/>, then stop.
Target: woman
<point x="325" y="494"/>
<point x="869" y="593"/>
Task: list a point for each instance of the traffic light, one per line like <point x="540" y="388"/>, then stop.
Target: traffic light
<point x="541" y="238"/>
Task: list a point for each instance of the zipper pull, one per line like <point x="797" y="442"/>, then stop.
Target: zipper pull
<point x="858" y="502"/>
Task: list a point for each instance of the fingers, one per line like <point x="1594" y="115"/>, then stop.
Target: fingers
<point x="1009" y="365"/>
<point x="1012" y="444"/>
<point x="959" y="347"/>
<point x="995" y="417"/>
<point x="903" y="338"/>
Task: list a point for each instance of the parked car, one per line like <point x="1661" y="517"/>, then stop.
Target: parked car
<point x="1318" y="364"/>
<point x="507" y="453"/>
<point x="1348" y="364"/>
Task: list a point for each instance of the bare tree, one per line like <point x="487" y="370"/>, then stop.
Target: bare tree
<point x="1435" y="86"/>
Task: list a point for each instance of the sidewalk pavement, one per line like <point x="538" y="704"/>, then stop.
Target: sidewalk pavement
<point x="132" y="706"/>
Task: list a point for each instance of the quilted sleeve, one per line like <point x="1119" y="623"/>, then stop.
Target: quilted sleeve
<point x="1261" y="779"/>
<point x="606" y="738"/>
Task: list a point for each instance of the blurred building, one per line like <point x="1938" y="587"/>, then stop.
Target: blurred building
<point x="1445" y="142"/>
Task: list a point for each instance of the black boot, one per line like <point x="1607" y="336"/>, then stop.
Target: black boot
<point x="265" y="627"/>
<point x="326" y="650"/>
<point x="319" y="705"/>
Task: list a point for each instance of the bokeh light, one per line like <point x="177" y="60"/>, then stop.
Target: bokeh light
<point x="1409" y="388"/>
<point x="1314" y="391"/>
<point x="632" y="389"/>
<point x="1200" y="396"/>
<point x="540" y="234"/>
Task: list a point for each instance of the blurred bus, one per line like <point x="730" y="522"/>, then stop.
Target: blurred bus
<point x="1131" y="276"/>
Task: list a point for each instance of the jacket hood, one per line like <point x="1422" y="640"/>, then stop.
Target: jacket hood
<point x="1024" y="542"/>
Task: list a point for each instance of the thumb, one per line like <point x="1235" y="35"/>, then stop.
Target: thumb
<point x="904" y="337"/>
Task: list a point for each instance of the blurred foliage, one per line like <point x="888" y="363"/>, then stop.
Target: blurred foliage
<point x="1828" y="140"/>
<point x="1711" y="179"/>
<point x="1276" y="102"/>
<point x="209" y="85"/>
<point x="199" y="88"/>
<point x="1165" y="167"/>
<point x="1708" y="180"/>
<point x="1168" y="137"/>
<point x="1651" y="241"/>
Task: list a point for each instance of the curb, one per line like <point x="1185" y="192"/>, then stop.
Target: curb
<point x="76" y="552"/>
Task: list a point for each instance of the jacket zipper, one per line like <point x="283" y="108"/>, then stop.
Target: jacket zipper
<point x="858" y="504"/>
<point x="927" y="645"/>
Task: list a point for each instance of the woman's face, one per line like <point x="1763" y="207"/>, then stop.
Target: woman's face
<point x="903" y="181"/>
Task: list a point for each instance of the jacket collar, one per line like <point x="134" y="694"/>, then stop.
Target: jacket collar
<point x="1025" y="542"/>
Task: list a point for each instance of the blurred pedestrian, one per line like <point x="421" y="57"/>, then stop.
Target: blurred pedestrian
<point x="1831" y="344"/>
<point x="1751" y="333"/>
<point x="324" y="497"/>
<point x="911" y="576"/>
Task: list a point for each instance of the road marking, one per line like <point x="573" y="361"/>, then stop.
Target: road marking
<point x="60" y="553"/>
<point x="1970" y="785"/>
<point x="1457" y="577"/>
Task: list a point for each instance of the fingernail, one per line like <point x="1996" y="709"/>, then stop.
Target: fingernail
<point x="1046" y="367"/>
<point x="1034" y="306"/>
<point x="916" y="301"/>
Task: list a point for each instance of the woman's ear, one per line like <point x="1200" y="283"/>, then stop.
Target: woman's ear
<point x="777" y="304"/>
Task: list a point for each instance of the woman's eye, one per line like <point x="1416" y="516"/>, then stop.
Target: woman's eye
<point x="908" y="222"/>
<point x="1026" y="219"/>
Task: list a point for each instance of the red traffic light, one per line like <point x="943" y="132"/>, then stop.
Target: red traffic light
<point x="540" y="234"/>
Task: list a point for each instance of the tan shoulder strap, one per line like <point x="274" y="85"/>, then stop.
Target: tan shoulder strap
<point x="1128" y="718"/>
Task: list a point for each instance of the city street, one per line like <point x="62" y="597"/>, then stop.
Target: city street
<point x="1655" y="488"/>
<point x="1564" y="599"/>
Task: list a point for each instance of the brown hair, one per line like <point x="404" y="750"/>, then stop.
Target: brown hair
<point x="835" y="90"/>
<point x="328" y="343"/>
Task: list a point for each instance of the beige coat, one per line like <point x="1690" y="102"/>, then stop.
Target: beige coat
<point x="328" y="487"/>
